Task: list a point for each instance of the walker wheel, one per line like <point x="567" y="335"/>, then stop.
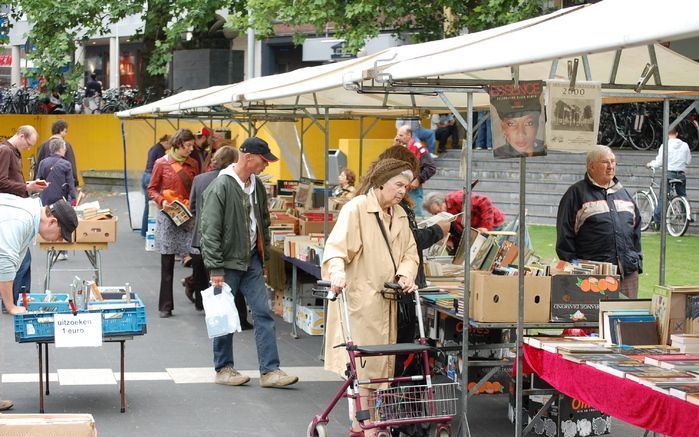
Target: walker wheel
<point x="317" y="430"/>
<point x="442" y="432"/>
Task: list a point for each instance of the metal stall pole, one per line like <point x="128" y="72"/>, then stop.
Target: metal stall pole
<point x="468" y="125"/>
<point x="520" y="304"/>
<point x="301" y="145"/>
<point x="663" y="192"/>
<point x="326" y="146"/>
<point x="126" y="176"/>
<point x="361" y="144"/>
<point x="363" y="133"/>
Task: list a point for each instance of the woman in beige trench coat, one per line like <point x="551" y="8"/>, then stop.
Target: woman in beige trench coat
<point x="357" y="260"/>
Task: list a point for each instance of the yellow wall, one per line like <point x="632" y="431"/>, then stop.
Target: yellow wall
<point x="97" y="140"/>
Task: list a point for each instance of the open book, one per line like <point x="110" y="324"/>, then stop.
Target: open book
<point x="442" y="216"/>
<point x="178" y="212"/>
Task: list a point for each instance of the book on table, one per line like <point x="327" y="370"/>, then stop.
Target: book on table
<point x="582" y="348"/>
<point x="611" y="318"/>
<point x="692" y="398"/>
<point x="620" y="306"/>
<point x="681" y="366"/>
<point x="657" y="359"/>
<point x="682" y="390"/>
<point x="658" y="373"/>
<point x="600" y="358"/>
<point x="620" y="369"/>
<point x="635" y="332"/>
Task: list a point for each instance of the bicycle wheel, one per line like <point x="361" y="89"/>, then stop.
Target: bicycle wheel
<point x="688" y="130"/>
<point x="644" y="138"/>
<point x="677" y="217"/>
<point x="646" y="206"/>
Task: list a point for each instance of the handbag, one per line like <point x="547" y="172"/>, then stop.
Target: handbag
<point x="406" y="306"/>
<point x="221" y="313"/>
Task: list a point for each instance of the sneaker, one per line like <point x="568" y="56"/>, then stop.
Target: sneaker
<point x="434" y="155"/>
<point x="63" y="256"/>
<point x="230" y="376"/>
<point x="277" y="378"/>
<point x="5" y="405"/>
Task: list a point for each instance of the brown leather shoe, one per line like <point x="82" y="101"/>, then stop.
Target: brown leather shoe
<point x="6" y="405"/>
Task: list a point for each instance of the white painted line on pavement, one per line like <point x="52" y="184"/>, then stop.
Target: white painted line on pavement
<point x="179" y="375"/>
<point x="26" y="377"/>
<point x="86" y="377"/>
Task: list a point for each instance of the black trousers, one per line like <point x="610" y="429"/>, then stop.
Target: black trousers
<point x="167" y="271"/>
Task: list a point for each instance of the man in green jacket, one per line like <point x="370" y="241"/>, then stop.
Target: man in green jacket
<point x="234" y="244"/>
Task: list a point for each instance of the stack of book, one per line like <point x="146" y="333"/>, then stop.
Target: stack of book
<point x="584" y="267"/>
<point x="92" y="211"/>
<point x="687" y="343"/>
<point x="279" y="232"/>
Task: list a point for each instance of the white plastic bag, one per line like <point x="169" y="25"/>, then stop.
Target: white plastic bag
<point x="221" y="314"/>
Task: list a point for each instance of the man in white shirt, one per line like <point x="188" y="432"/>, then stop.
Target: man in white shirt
<point x="20" y="220"/>
<point x="678" y="158"/>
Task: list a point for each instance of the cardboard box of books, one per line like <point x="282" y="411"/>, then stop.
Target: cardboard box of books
<point x="566" y="417"/>
<point x="311" y="319"/>
<point x="494" y="298"/>
<point x="311" y="222"/>
<point x="576" y="297"/>
<point x="47" y="425"/>
<point x="96" y="230"/>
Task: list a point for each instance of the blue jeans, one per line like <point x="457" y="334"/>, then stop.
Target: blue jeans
<point x="484" y="136"/>
<point x="252" y="284"/>
<point x="426" y="137"/>
<point x="145" y="180"/>
<point x="416" y="195"/>
<point x="23" y="276"/>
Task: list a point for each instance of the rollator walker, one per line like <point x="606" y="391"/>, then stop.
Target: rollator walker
<point x="411" y="400"/>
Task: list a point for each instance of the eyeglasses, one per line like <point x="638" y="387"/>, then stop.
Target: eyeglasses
<point x="29" y="143"/>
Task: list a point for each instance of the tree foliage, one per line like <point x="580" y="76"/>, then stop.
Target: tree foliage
<point x="357" y="20"/>
<point x="59" y="25"/>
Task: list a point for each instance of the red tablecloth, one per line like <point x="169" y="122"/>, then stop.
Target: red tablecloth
<point x="619" y="397"/>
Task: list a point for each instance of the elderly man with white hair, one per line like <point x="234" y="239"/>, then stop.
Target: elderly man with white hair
<point x="599" y="221"/>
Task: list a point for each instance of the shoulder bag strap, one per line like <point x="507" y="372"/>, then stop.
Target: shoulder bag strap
<point x="186" y="180"/>
<point x="385" y="238"/>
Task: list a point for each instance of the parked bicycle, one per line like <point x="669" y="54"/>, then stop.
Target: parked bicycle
<point x="632" y="124"/>
<point x="678" y="214"/>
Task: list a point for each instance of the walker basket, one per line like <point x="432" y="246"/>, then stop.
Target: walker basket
<point x="416" y="402"/>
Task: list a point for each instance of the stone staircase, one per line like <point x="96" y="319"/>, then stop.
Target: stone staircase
<point x="547" y="179"/>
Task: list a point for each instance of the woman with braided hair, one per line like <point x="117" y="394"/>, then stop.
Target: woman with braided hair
<point x="370" y="244"/>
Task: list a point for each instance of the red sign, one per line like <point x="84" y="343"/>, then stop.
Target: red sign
<point x="5" y="59"/>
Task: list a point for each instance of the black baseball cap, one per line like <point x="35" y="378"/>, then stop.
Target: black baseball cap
<point x="258" y="146"/>
<point x="66" y="217"/>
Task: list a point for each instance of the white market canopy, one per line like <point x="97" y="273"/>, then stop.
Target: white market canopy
<point x="615" y="38"/>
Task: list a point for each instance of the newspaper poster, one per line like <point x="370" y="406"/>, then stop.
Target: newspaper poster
<point x="572" y="115"/>
<point x="517" y="122"/>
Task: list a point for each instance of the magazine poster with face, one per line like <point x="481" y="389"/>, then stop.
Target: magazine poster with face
<point x="572" y="115"/>
<point x="517" y="119"/>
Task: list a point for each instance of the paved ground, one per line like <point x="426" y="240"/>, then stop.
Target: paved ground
<point x="169" y="385"/>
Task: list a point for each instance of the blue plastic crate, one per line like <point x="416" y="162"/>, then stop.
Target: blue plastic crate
<point x="57" y="302"/>
<point x="115" y="321"/>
